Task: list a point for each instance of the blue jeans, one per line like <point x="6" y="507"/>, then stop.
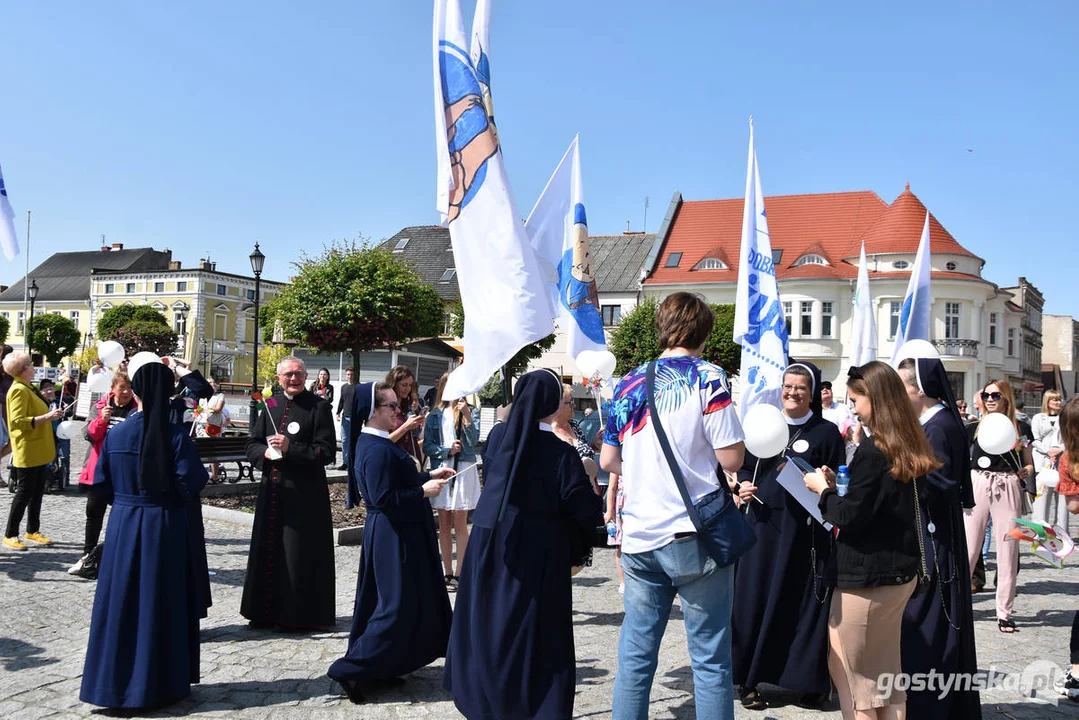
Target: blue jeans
<point x="985" y="543"/>
<point x="346" y="431"/>
<point x="652" y="579"/>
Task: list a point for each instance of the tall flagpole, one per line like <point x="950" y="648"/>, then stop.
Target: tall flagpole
<point x="26" y="288"/>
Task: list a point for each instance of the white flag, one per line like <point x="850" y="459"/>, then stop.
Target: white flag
<point x="8" y="241"/>
<point x="864" y="330"/>
<point x="505" y="301"/>
<point x="917" y="303"/>
<point x="558" y="229"/>
<point x="759" y="323"/>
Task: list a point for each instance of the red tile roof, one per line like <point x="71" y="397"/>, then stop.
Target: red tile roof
<point x="828" y="224"/>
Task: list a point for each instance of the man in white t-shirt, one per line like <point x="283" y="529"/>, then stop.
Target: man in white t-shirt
<point x="833" y="412"/>
<point x="661" y="555"/>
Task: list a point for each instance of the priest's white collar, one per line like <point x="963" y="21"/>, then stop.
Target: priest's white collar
<point x="546" y="427"/>
<point x="798" y="421"/>
<point x="928" y="413"/>
<point x="375" y="431"/>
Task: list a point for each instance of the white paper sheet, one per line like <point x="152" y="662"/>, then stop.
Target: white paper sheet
<point x="791" y="478"/>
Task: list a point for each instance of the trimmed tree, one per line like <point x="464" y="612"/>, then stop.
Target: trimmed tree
<point x="352" y="299"/>
<point x="115" y="318"/>
<point x="636" y="341"/>
<point x="54" y="336"/>
<point x="144" y="335"/>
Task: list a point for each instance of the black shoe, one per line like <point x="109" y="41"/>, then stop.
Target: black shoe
<point x="811" y="701"/>
<point x="1070" y="687"/>
<point x="752" y="699"/>
<point x="352" y="691"/>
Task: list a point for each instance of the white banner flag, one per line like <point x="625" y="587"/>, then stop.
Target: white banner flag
<point x="759" y="323"/>
<point x="864" y="331"/>
<point x="558" y="229"/>
<point x="917" y="302"/>
<point x="8" y="241"/>
<point x="505" y="301"/>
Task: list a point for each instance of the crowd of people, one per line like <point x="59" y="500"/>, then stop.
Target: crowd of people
<point x="873" y="575"/>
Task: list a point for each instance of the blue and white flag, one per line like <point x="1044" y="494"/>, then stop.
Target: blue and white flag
<point x="918" y="302"/>
<point x="760" y="326"/>
<point x="558" y="230"/>
<point x="504" y="298"/>
<point x="864" y="332"/>
<point x="8" y="241"/>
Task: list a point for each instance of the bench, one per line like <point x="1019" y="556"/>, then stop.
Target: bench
<point x="226" y="449"/>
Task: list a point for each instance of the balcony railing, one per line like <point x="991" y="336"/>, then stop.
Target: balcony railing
<point x="957" y="348"/>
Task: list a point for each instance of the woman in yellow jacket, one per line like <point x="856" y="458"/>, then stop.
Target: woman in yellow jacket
<point x="32" y="449"/>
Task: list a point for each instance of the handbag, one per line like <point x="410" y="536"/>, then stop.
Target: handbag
<point x="725" y="532"/>
<point x="923" y="572"/>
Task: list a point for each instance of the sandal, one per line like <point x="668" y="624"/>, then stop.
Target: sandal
<point x="1006" y="626"/>
<point x="752" y="699"/>
<point x="451" y="583"/>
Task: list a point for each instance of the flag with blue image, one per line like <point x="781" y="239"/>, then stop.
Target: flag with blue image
<point x="914" y="315"/>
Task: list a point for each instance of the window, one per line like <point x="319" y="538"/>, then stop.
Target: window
<point x="711" y="263"/>
<point x="251" y="294"/>
<point x="1011" y="342"/>
<point x="221" y="290"/>
<point x="901" y="264"/>
<point x="806" y="325"/>
<point x="20" y="323"/>
<point x="993" y="329"/>
<point x="181" y="286"/>
<point x="400" y="245"/>
<point x="109" y="288"/>
<point x="810" y="259"/>
<point x="448" y="275"/>
<point x="787" y="315"/>
<point x="219" y="327"/>
<point x="159" y="287"/>
<point x="673" y="259"/>
<point x="951" y="320"/>
<point x="74" y="317"/>
<point x="447" y="324"/>
<point x="777" y="255"/>
<point x="612" y="315"/>
<point x="893" y="319"/>
<point x="950" y="265"/>
<point x="826" y="320"/>
<point x="179" y="323"/>
<point x="130" y="288"/>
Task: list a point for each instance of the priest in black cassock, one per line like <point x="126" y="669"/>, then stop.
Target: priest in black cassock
<point x="938" y="624"/>
<point x="290" y="569"/>
<point x="779" y="620"/>
<point x="511" y="653"/>
<point x="401" y="619"/>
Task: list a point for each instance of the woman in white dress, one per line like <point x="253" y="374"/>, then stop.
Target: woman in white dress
<point x="1046" y="450"/>
<point x="450" y="435"/>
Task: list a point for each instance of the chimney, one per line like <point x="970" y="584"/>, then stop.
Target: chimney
<point x="105" y="248"/>
<point x="174" y="264"/>
<point x="117" y="246"/>
<point x="627" y="227"/>
<point x="205" y="264"/>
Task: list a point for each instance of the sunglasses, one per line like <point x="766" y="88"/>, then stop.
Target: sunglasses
<point x="994" y="396"/>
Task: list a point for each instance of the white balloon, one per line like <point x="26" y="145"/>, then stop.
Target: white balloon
<point x="996" y="434"/>
<point x="100" y="381"/>
<point x="916" y="349"/>
<point x="765" y="430"/>
<point x="143" y="358"/>
<point x="111" y="353"/>
<point x="66" y="430"/>
<point x="606" y="362"/>
<point x="1048" y="478"/>
<point x="588" y="362"/>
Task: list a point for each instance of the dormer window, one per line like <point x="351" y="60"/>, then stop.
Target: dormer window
<point x="401" y="244"/>
<point x="673" y="259"/>
<point x="711" y="263"/>
<point x="950" y="265"/>
<point x="810" y="259"/>
<point x="901" y="265"/>
<point x="448" y="275"/>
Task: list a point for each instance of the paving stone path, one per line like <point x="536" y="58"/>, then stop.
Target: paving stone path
<point x="253" y="674"/>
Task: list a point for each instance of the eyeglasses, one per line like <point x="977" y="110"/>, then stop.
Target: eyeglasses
<point x="795" y="389"/>
<point x="389" y="405"/>
<point x="294" y="373"/>
<point x="994" y="396"/>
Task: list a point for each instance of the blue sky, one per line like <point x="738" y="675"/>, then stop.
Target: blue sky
<point x="204" y="126"/>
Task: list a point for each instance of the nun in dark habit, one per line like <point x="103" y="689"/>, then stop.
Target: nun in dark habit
<point x="401" y="619"/>
<point x="938" y="624"/>
<point x="511" y="652"/>
<point x="143" y="650"/>
<point x="779" y="619"/>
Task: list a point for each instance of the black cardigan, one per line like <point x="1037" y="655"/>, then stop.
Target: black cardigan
<point x="877" y="542"/>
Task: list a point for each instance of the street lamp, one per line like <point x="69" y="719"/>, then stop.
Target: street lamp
<point x="257" y="260"/>
<point x="32" y="291"/>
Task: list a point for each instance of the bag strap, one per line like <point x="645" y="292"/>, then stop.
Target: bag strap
<point x="672" y="462"/>
<point x="918" y="526"/>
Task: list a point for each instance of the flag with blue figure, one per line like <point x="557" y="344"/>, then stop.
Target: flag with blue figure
<point x="8" y="241"/>
<point x="558" y="229"/>
<point x="505" y="302"/>
<point x="914" y="315"/>
<point x="864" y="330"/>
<point x="760" y="326"/>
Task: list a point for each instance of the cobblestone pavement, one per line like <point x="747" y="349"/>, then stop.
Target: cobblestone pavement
<point x="259" y="674"/>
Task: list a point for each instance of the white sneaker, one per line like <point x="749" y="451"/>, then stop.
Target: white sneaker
<point x="74" y="569"/>
<point x="621" y="588"/>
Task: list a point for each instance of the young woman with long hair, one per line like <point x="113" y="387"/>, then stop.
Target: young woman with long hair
<point x="877" y="552"/>
<point x="404" y="384"/>
<point x="1046" y="450"/>
<point x="322" y="387"/>
<point x="1068" y="489"/>
<point x="998" y="493"/>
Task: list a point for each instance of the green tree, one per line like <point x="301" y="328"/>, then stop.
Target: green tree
<point x="85" y="359"/>
<point x="54" y="336"/>
<point x="269" y="356"/>
<point x="115" y="318"/>
<point x="143" y="335"/>
<point x="5" y="328"/>
<point x="636" y="341"/>
<point x="353" y="298"/>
